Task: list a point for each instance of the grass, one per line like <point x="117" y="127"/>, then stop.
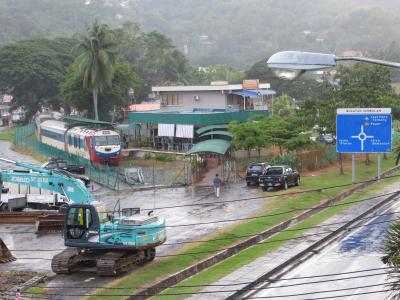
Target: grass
<point x="8" y="134"/>
<point x="280" y="204"/>
<point x="36" y="291"/>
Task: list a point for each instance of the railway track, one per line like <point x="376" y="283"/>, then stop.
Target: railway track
<point x="44" y="221"/>
<point x="280" y="270"/>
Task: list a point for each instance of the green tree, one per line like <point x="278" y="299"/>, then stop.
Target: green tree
<point x="154" y="58"/>
<point x="248" y="135"/>
<point x="32" y="70"/>
<point x="76" y="96"/>
<point x="299" y="142"/>
<point x="278" y="131"/>
<point x="96" y="60"/>
<point x="391" y="258"/>
<point x="283" y="106"/>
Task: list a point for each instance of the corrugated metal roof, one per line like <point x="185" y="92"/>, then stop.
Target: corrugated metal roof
<point x="198" y="88"/>
<point x="202" y="130"/>
<point x="217" y="132"/>
<point x="212" y="118"/>
<point x="82" y="120"/>
<point x="217" y="146"/>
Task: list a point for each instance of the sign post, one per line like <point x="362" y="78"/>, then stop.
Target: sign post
<point x="364" y="130"/>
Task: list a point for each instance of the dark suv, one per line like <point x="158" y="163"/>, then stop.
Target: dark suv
<point x="279" y="177"/>
<point x="253" y="172"/>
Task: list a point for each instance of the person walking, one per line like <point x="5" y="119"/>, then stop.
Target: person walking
<point x="217" y="185"/>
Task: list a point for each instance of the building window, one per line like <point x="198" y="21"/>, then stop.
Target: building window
<point x="171" y="100"/>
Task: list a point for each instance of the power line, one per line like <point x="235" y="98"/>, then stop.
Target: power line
<point x="235" y="284"/>
<point x="320" y="292"/>
<point x="250" y="235"/>
<point x="217" y="292"/>
<point x="248" y="218"/>
<point x="271" y="196"/>
<point x="229" y="248"/>
<point x="238" y="283"/>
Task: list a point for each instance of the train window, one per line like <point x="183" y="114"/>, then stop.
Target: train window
<point x="113" y="140"/>
<point x="81" y="143"/>
<point x="100" y="141"/>
<point x="69" y="140"/>
<point x="75" y="142"/>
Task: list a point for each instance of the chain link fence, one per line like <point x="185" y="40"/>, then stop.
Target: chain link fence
<point x="24" y="138"/>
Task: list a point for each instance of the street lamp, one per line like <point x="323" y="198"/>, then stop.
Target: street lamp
<point x="131" y="93"/>
<point x="291" y="64"/>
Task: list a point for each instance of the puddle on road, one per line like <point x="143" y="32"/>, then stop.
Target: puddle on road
<point x="369" y="238"/>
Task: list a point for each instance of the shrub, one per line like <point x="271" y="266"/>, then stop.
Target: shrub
<point x="165" y="157"/>
<point x="148" y="155"/>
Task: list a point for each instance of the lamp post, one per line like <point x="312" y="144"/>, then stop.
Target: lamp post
<point x="291" y="64"/>
<point x="131" y="93"/>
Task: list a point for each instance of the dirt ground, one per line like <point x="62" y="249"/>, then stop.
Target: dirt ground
<point x="8" y="280"/>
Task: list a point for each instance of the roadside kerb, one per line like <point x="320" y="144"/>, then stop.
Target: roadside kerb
<point x="292" y="262"/>
<point x="10" y="294"/>
<point x="224" y="254"/>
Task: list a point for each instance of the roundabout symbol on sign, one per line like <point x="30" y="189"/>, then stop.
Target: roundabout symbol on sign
<point x="362" y="136"/>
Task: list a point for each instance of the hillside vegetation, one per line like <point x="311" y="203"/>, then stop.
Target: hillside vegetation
<point x="233" y="32"/>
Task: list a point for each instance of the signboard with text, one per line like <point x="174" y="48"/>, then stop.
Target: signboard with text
<point x="364" y="130"/>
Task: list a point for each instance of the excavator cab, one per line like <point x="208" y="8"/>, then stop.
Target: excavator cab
<point x="81" y="224"/>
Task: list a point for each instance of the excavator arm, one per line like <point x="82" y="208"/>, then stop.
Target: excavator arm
<point x="33" y="176"/>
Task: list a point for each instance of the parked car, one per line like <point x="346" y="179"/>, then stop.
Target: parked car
<point x="253" y="172"/>
<point x="279" y="177"/>
<point x="62" y="164"/>
<point x="326" y="138"/>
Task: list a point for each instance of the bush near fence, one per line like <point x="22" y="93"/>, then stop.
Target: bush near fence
<point x="24" y="138"/>
<point x="311" y="159"/>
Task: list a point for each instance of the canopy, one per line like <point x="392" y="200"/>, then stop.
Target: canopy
<point x="246" y="93"/>
<point x="201" y="130"/>
<point x="217" y="132"/>
<point x="127" y="127"/>
<point x="254" y="93"/>
<point x="86" y="121"/>
<point x="264" y="92"/>
<point x="216" y="146"/>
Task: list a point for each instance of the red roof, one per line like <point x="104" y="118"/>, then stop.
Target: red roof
<point x="144" y="106"/>
<point x="353" y="53"/>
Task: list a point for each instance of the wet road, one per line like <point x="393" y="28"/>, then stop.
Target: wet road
<point x="21" y="237"/>
<point x="359" y="250"/>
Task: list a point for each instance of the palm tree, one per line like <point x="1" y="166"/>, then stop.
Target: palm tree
<point x="96" y="59"/>
<point x="391" y="250"/>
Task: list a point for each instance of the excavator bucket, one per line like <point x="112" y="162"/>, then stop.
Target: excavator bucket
<point x="5" y="254"/>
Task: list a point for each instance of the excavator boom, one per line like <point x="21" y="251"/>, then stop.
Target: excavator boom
<point x="75" y="190"/>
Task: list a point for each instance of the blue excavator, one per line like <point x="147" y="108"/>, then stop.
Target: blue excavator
<point x="112" y="242"/>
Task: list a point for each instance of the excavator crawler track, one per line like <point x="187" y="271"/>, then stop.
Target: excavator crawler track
<point x="66" y="262"/>
<point x="108" y="263"/>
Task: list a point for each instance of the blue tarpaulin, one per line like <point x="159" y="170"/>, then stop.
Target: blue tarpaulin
<point x="254" y="93"/>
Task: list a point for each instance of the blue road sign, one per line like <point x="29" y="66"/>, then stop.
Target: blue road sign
<point x="364" y="132"/>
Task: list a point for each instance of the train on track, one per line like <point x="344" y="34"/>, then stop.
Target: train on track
<point x="97" y="145"/>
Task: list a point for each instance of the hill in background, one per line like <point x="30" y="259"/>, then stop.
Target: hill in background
<point x="233" y="32"/>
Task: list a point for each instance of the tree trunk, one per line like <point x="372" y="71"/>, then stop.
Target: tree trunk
<point x="248" y="153"/>
<point x="341" y="163"/>
<point x="280" y="150"/>
<point x="96" y="113"/>
<point x="367" y="160"/>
